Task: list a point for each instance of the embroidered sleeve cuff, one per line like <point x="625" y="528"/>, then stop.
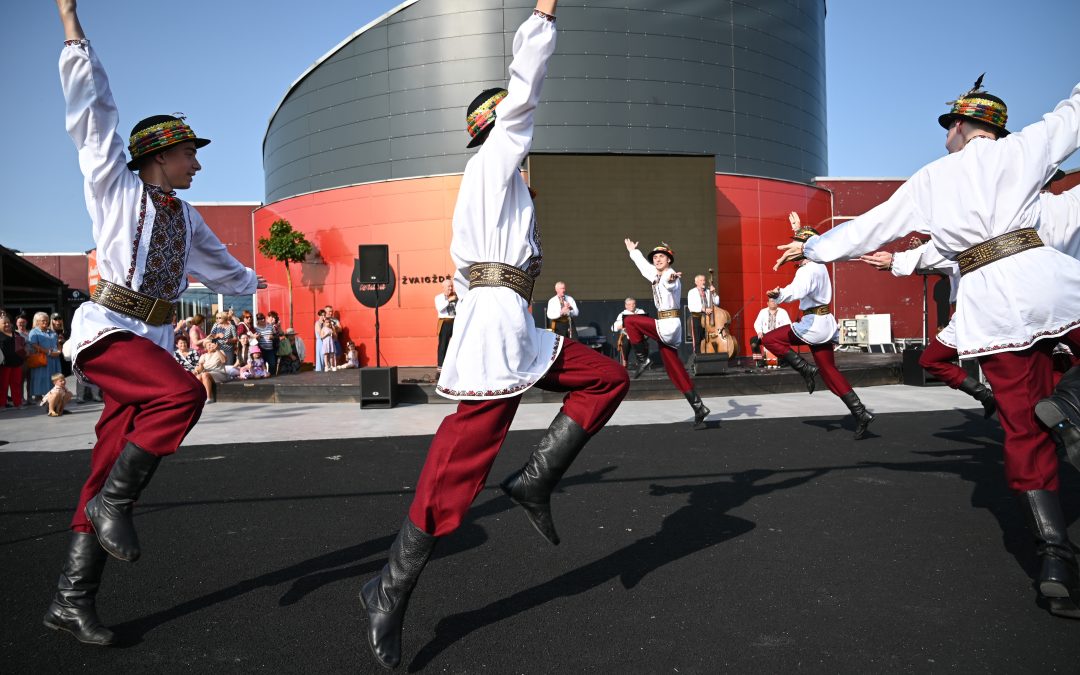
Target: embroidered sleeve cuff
<point x="544" y="15"/>
<point x="76" y="43"/>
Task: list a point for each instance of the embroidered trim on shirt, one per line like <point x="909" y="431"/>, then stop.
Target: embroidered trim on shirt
<point x="544" y="15"/>
<point x="501" y="392"/>
<point x="1017" y="346"/>
<point x="76" y="43"/>
<point x="138" y="236"/>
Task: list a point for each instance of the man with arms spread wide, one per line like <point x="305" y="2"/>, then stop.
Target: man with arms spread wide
<point x="148" y="242"/>
<point x="496" y="352"/>
<point x="1017" y="297"/>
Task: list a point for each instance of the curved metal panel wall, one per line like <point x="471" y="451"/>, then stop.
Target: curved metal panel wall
<point x="743" y="80"/>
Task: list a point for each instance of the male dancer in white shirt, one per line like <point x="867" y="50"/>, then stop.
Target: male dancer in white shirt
<point x="446" y="309"/>
<point x="496" y="352"/>
<point x="666" y="328"/>
<point x="561" y="310"/>
<point x="817" y="328"/>
<point x="1017" y="297"/>
<point x="148" y="242"/>
<point x="698" y="300"/>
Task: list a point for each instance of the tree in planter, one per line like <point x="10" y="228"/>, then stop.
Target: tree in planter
<point x="288" y="246"/>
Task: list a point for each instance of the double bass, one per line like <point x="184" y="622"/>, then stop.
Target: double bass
<point x="717" y="321"/>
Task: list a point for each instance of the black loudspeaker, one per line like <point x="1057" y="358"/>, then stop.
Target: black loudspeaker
<point x="378" y="387"/>
<point x="915" y="376"/>
<point x="374" y="263"/>
<point x="710" y="364"/>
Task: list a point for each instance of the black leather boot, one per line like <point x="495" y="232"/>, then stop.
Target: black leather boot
<point x="1061" y="413"/>
<point x="807" y="370"/>
<point x="978" y="391"/>
<point x="386" y="595"/>
<point x="1058" y="579"/>
<point x="700" y="411"/>
<point x="73" y="607"/>
<point x="863" y="417"/>
<point x="110" y="510"/>
<point x="531" y="486"/>
<point x="641" y="359"/>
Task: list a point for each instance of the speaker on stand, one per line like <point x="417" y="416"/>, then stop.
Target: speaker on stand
<point x="375" y="269"/>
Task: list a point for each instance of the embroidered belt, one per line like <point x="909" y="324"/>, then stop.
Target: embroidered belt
<point x="154" y="311"/>
<point x="668" y="314"/>
<point x="820" y="310"/>
<point x="501" y="274"/>
<point x="1001" y="246"/>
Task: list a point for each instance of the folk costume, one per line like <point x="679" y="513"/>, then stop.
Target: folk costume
<point x="622" y="344"/>
<point x="768" y="320"/>
<point x="496" y="352"/>
<point x="148" y="242"/>
<point x="559" y="323"/>
<point x="1017" y="297"/>
<point x="699" y="301"/>
<point x="816" y="329"/>
<point x="445" y="310"/>
<point x="666" y="328"/>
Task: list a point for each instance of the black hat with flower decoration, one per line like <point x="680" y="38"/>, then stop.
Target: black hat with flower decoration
<point x="978" y="105"/>
<point x="480" y="115"/>
<point x="662" y="247"/>
<point x="159" y="132"/>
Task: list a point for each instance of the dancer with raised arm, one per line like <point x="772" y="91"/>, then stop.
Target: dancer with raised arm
<point x="816" y="329"/>
<point x="666" y="328"/>
<point x="496" y="352"/>
<point x="148" y="242"/>
<point x="1016" y="299"/>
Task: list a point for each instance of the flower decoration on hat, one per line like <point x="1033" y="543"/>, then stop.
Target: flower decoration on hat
<point x="978" y="105"/>
<point x="481" y="115"/>
<point x="154" y="134"/>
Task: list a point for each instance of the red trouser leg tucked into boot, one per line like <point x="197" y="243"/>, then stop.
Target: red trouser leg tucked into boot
<point x="465" y="446"/>
<point x="1020" y="380"/>
<point x="780" y="341"/>
<point x="638" y="328"/>
<point x="150" y="400"/>
<point x="937" y="359"/>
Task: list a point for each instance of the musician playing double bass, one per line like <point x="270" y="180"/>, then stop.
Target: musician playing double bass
<point x="561" y="312"/>
<point x="700" y="301"/>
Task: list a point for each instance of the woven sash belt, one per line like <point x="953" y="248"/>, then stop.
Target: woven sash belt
<point x="501" y="274"/>
<point x="997" y="248"/>
<point x="147" y="308"/>
<point x="668" y="314"/>
<point x="820" y="310"/>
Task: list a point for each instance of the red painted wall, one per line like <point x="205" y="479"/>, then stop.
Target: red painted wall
<point x="232" y="224"/>
<point x="412" y="216"/>
<point x="71" y="268"/>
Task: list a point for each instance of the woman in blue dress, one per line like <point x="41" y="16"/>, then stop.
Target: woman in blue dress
<point x="43" y="339"/>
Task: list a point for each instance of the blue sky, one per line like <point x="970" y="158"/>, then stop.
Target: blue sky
<point x="891" y="67"/>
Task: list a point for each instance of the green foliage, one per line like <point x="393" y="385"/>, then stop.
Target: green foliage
<point x="284" y="243"/>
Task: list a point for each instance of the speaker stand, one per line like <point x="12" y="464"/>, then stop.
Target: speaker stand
<point x="378" y="362"/>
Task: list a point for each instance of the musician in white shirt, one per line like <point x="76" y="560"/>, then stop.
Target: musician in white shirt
<point x="561" y="312"/>
<point x="700" y="300"/>
<point x="445" y="309"/>
<point x="622" y="344"/>
<point x="771" y="317"/>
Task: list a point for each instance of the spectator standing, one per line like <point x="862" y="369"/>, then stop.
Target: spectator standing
<point x="224" y="334"/>
<point x="185" y="355"/>
<point x="57" y="324"/>
<point x="245" y="330"/>
<point x="265" y="332"/>
<point x="43" y="340"/>
<point x="326" y="344"/>
<point x="22" y="340"/>
<point x="196" y="335"/>
<point x="319" y="362"/>
<point x="11" y="375"/>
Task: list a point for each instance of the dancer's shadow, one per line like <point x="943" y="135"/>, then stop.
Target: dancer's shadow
<point x="347" y="563"/>
<point x="702" y="523"/>
<point x="736" y="410"/>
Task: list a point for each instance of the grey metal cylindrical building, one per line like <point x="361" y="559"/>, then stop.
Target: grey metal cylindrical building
<point x="741" y="80"/>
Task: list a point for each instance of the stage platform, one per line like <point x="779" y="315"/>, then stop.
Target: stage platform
<point x="417" y="385"/>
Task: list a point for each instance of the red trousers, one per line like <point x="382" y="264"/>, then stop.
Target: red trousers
<point x="150" y="400"/>
<point x="937" y="360"/>
<point x="11" y="376"/>
<point x="465" y="446"/>
<point x="779" y="342"/>
<point x="638" y="327"/>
